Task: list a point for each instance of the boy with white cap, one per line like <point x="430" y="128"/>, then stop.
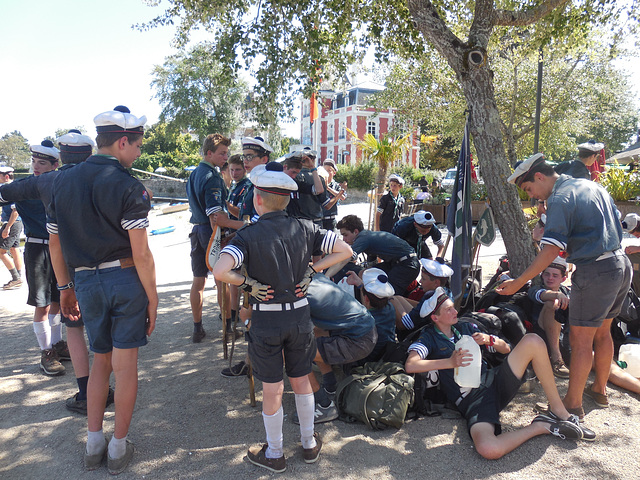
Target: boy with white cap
<point x="275" y="252"/>
<point x="551" y="304"/>
<point x="10" y="236"/>
<point x="41" y="280"/>
<point x="416" y="229"/>
<point x="582" y="219"/>
<point x="390" y="205"/>
<point x="98" y="221"/>
<point x="588" y="153"/>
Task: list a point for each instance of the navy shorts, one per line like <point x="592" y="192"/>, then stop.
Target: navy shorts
<point x="483" y="404"/>
<point x="113" y="304"/>
<point x="401" y="275"/>
<point x="200" y="236"/>
<point x="273" y="333"/>
<point x="598" y="290"/>
<point x="338" y="350"/>
<point x="13" y="240"/>
<point x="41" y="280"/>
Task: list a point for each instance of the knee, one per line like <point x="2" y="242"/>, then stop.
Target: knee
<point x="534" y="341"/>
<point x="488" y="450"/>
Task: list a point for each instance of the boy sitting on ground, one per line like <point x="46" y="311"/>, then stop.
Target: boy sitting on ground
<point x="551" y="309"/>
<point x="435" y="350"/>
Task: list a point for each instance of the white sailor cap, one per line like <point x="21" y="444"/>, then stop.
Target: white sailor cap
<point x="5" y="169"/>
<point x="253" y="142"/>
<point x="330" y="162"/>
<point x="376" y="282"/>
<point x="119" y="120"/>
<point x="630" y="222"/>
<point x="522" y="168"/>
<point x="559" y="263"/>
<point x="309" y="153"/>
<point x="397" y="178"/>
<point x="271" y="178"/>
<point x="592" y="146"/>
<point x="45" y="151"/>
<point x="74" y="141"/>
<point x="437" y="267"/>
<point x="431" y="304"/>
<point x="424" y="218"/>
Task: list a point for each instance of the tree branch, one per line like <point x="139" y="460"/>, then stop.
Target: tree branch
<point x="528" y="16"/>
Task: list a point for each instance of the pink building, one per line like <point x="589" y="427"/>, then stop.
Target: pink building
<point x="341" y="110"/>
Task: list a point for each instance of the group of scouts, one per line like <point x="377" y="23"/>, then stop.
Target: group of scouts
<point x="88" y="222"/>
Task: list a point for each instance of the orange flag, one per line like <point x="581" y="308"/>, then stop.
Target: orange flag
<point x="314" y="108"/>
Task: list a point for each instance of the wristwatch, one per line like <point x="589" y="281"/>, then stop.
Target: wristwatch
<point x="68" y="286"/>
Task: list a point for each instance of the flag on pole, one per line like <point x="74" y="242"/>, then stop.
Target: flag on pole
<point x="459" y="218"/>
<point x="313" y="113"/>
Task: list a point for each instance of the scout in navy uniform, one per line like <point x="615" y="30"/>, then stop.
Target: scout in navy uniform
<point x="588" y="154"/>
<point x="481" y="406"/>
<point x="255" y="151"/>
<point x="433" y="274"/>
<point x="303" y="203"/>
<point x="390" y="205"/>
<point x="207" y="194"/>
<point x="336" y="192"/>
<point x="74" y="148"/>
<point x="416" y="229"/>
<point x="98" y="225"/>
<point x="41" y="280"/>
<point x="276" y="251"/>
<point x="582" y="219"/>
<point x="10" y="236"/>
<point x="238" y="187"/>
<point x="399" y="259"/>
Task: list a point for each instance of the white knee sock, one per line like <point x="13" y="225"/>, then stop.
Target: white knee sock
<point x="56" y="328"/>
<point x="306" y="406"/>
<point x="273" y="427"/>
<point x="117" y="447"/>
<point x="95" y="442"/>
<point x="43" y="334"/>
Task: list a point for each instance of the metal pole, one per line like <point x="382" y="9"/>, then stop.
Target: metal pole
<point x="536" y="138"/>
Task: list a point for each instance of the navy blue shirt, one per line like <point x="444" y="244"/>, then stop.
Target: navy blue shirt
<point x="381" y="244"/>
<point x="574" y="168"/>
<point x="333" y="211"/>
<point x="246" y="206"/>
<point x="28" y="199"/>
<point x="207" y="193"/>
<point x="237" y="194"/>
<point x="336" y="311"/>
<point x="385" y="324"/>
<point x="93" y="206"/>
<point x="406" y="230"/>
<point x="390" y="209"/>
<point x="276" y="250"/>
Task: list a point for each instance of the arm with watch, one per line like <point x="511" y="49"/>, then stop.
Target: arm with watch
<point x="68" y="302"/>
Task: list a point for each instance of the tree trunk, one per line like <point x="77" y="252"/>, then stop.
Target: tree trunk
<point x="485" y="123"/>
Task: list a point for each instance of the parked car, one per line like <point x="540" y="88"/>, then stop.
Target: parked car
<point x="448" y="180"/>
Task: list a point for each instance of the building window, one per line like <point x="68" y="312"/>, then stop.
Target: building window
<point x="330" y="154"/>
<point x="343" y="132"/>
<point x="330" y="133"/>
<point x="372" y="129"/>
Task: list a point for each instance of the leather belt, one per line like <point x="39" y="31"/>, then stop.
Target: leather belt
<point x="280" y="307"/>
<point x="122" y="263"/>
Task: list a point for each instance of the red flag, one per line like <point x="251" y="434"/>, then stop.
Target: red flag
<point x="314" y="108"/>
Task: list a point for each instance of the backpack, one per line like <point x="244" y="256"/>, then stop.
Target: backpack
<point x="377" y="394"/>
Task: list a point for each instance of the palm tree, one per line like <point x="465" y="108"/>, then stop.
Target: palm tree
<point x="382" y="151"/>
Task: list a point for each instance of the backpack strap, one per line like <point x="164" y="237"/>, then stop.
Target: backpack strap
<point x="365" y="396"/>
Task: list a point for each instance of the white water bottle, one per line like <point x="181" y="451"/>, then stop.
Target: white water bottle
<point x="469" y="376"/>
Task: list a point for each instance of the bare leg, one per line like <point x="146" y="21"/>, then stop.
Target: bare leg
<point x="125" y="369"/>
<point x="6" y="259"/>
<point x="602" y="356"/>
<point x="196" y="297"/>
<point x="581" y="356"/>
<point x="78" y="350"/>
<point x="493" y="447"/>
<point x="272" y="396"/>
<point x="17" y="259"/>
<point x="97" y="390"/>
<point x="552" y="328"/>
<point x="619" y="377"/>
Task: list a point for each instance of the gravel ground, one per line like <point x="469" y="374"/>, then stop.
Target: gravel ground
<point x="190" y="422"/>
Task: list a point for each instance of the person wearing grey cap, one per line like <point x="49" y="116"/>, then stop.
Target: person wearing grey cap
<point x="390" y="205"/>
<point x="588" y="154"/>
<point x="582" y="219"/>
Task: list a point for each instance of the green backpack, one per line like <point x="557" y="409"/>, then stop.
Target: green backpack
<point x="377" y="394"/>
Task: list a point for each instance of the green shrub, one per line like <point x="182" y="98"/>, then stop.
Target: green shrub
<point x="360" y="176"/>
<point x="621" y="185"/>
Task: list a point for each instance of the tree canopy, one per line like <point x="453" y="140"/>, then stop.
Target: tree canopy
<point x="198" y="93"/>
<point x="14" y="150"/>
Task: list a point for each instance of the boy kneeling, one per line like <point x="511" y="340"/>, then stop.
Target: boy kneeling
<point x="435" y="350"/>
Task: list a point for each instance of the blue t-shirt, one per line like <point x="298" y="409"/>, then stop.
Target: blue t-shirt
<point x="582" y="219"/>
<point x="207" y="193"/>
<point x="385" y="324"/>
<point x="237" y="194"/>
<point x="381" y="244"/>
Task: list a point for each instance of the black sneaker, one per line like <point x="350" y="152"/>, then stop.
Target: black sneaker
<point x="198" y="336"/>
<point x="588" y="435"/>
<point x="564" y="429"/>
<point x="238" y="370"/>
<point x="80" y="406"/>
<point x="321" y="414"/>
